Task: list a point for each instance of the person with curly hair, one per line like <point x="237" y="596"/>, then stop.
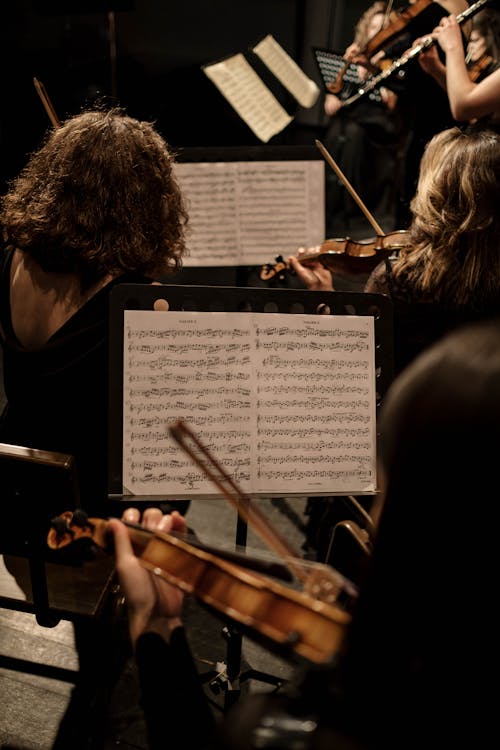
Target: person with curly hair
<point x="98" y="204"/>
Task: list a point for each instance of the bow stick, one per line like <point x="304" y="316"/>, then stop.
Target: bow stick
<point x="182" y="434"/>
<point x="320" y="580"/>
<point x="40" y="89"/>
<point x="329" y="159"/>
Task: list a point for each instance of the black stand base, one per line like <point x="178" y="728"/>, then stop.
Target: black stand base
<point x="229" y="677"/>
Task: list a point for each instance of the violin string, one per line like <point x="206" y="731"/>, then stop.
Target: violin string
<point x="239" y="555"/>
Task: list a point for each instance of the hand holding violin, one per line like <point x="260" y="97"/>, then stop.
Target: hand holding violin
<point x="314" y="276"/>
<point x="154" y="605"/>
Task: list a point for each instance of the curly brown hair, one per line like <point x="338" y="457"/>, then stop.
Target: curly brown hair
<point x="454" y="256"/>
<point x="98" y="197"/>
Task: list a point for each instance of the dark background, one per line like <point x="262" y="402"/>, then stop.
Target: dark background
<point x="146" y="55"/>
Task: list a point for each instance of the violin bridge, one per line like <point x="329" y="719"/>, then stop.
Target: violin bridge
<point x="328" y="585"/>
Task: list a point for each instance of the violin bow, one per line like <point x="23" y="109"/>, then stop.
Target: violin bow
<point x="42" y="93"/>
<point x="329" y="159"/>
<point x="250" y="513"/>
<point x="387" y="13"/>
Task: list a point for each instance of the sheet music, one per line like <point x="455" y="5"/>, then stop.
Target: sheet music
<point x="249" y="96"/>
<point x="287" y="71"/>
<point x="286" y="403"/>
<point x="247" y="213"/>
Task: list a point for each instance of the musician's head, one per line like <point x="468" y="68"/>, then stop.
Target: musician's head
<point x="456" y="222"/>
<point x="485" y="36"/>
<point x="99" y="196"/>
<point x="438" y="449"/>
<point x="430" y="583"/>
<point x="370" y="23"/>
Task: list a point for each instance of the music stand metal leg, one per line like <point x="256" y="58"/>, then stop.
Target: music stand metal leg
<point x="234" y="639"/>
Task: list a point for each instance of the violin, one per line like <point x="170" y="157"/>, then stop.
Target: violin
<point x="398" y="21"/>
<point x="344" y="255"/>
<point x="394" y="23"/>
<point x="428" y="41"/>
<point x="293" y="622"/>
<point x="476" y="68"/>
<point x="309" y="623"/>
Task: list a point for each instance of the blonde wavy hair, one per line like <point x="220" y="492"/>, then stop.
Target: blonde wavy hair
<point x="454" y="255"/>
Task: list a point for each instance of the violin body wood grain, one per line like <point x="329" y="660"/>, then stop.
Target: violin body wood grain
<point x="289" y="621"/>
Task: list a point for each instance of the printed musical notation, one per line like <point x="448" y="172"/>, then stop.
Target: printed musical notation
<point x="247" y="93"/>
<point x="285" y="402"/>
<point x="243" y="213"/>
<point x="249" y="96"/>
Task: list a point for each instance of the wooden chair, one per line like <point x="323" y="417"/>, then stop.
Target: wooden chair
<point x="35" y="486"/>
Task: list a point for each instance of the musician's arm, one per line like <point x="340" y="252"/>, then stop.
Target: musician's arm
<point x="431" y="64"/>
<point x="477" y="100"/>
<point x="314" y="276"/>
<point x="377" y="282"/>
<point x="332" y="104"/>
<point x="467" y="99"/>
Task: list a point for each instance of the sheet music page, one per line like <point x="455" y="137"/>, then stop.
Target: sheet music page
<point x="285" y="403"/>
<point x="247" y="213"/>
<point x="249" y="96"/>
<point x="287" y="71"/>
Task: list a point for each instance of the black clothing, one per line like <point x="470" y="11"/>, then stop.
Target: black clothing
<point x="306" y="714"/>
<point x="364" y="139"/>
<point x="424" y="103"/>
<point x="419" y="322"/>
<point x="57" y="396"/>
<point x="170" y="683"/>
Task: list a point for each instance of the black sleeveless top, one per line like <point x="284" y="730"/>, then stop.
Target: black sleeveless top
<point x="57" y="396"/>
<point x="418" y="321"/>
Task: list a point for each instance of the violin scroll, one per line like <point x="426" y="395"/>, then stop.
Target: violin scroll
<point x="335" y="86"/>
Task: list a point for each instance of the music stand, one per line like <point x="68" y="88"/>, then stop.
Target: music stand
<point x="232" y="299"/>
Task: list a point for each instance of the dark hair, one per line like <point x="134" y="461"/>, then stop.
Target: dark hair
<point x="486" y="23"/>
<point x="424" y="622"/>
<point x="98" y="197"/>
